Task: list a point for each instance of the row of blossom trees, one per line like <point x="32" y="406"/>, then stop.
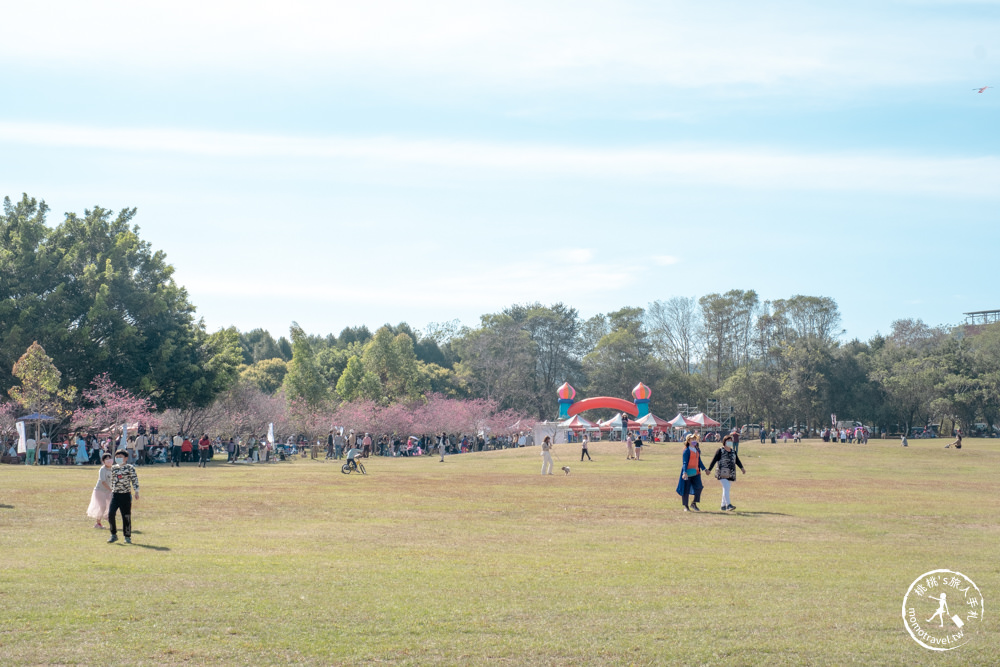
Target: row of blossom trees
<point x="435" y="414"/>
<point x="244" y="410"/>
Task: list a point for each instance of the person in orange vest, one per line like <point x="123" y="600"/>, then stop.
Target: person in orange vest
<point x="691" y="467"/>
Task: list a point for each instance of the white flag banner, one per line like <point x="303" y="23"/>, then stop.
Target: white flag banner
<point x="22" y="440"/>
<point x="270" y="433"/>
<point x="124" y="442"/>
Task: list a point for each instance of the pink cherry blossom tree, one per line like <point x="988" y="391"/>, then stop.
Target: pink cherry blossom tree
<point x="109" y="406"/>
<point x="245" y="410"/>
<point x="8" y="421"/>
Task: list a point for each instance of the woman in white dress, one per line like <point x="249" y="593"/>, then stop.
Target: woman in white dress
<point x="101" y="497"/>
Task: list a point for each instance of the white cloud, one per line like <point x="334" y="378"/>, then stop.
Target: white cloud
<point x="538" y="43"/>
<point x="665" y="260"/>
<point x="577" y="255"/>
<point x="735" y="167"/>
<point x="547" y="276"/>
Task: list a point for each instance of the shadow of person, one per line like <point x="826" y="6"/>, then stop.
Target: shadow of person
<point x="150" y="546"/>
<point x="739" y="513"/>
<point x="6" y="507"/>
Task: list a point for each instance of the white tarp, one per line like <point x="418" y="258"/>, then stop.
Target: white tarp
<point x="22" y="441"/>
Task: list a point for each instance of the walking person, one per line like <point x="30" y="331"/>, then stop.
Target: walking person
<point x="178" y="449"/>
<point x="442" y="445"/>
<point x="338" y="446"/>
<point x="204" y="450"/>
<point x="583" y="448"/>
<point x="123" y="480"/>
<point x="728" y="461"/>
<point x="631" y="448"/>
<point x="547" y="456"/>
<point x="186" y="450"/>
<point x="691" y="467"/>
<point x="100" y="499"/>
<point x="329" y="445"/>
<point x="638" y="447"/>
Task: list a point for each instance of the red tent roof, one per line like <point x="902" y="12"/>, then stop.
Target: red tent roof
<point x="652" y="421"/>
<point x="680" y="421"/>
<point x="577" y="423"/>
<point x="701" y="419"/>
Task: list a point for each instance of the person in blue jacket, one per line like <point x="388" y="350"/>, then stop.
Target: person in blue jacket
<point x="691" y="467"/>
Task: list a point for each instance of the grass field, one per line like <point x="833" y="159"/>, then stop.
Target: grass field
<point x="482" y="560"/>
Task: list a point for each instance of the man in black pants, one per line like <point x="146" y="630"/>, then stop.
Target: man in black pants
<point x="175" y="452"/>
<point x="123" y="480"/>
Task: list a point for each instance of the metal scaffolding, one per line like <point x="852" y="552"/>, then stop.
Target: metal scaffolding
<point x="982" y="317"/>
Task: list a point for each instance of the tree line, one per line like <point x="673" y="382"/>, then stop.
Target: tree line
<point x="103" y="303"/>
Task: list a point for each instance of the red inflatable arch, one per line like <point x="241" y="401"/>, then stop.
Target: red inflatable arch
<point x="621" y="404"/>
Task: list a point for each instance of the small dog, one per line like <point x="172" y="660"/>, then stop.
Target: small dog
<point x="565" y="469"/>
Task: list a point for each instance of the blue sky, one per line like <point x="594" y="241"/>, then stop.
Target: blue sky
<point x="344" y="163"/>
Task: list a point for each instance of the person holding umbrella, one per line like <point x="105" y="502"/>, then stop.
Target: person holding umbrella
<point x="691" y="467"/>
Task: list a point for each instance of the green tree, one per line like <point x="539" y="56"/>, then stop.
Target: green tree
<point x="304" y="382"/>
<point x="356" y="383"/>
<point x="728" y="331"/>
<point x="258" y="345"/>
<point x="266" y="375"/>
<point x="393" y="363"/>
<point x="496" y="362"/>
<point x="555" y="332"/>
<point x="39" y="391"/>
<point x="100" y="300"/>
<point x="623" y="358"/>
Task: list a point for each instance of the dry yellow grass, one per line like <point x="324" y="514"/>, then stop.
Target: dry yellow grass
<point x="482" y="560"/>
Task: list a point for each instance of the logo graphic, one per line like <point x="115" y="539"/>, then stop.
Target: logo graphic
<point x="942" y="610"/>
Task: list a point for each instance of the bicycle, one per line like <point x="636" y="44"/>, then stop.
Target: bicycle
<point x="353" y="465"/>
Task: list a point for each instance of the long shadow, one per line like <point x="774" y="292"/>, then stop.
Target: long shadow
<point x="142" y="546"/>
<point x="6" y="507"/>
<point x="740" y="513"/>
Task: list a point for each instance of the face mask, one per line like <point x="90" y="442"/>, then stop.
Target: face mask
<point x="119" y="460"/>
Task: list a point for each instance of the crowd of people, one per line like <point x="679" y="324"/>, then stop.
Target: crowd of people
<point x="175" y="450"/>
<point x="117" y="457"/>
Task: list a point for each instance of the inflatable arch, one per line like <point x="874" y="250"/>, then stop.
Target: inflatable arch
<point x="637" y="408"/>
<point x="619" y="404"/>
